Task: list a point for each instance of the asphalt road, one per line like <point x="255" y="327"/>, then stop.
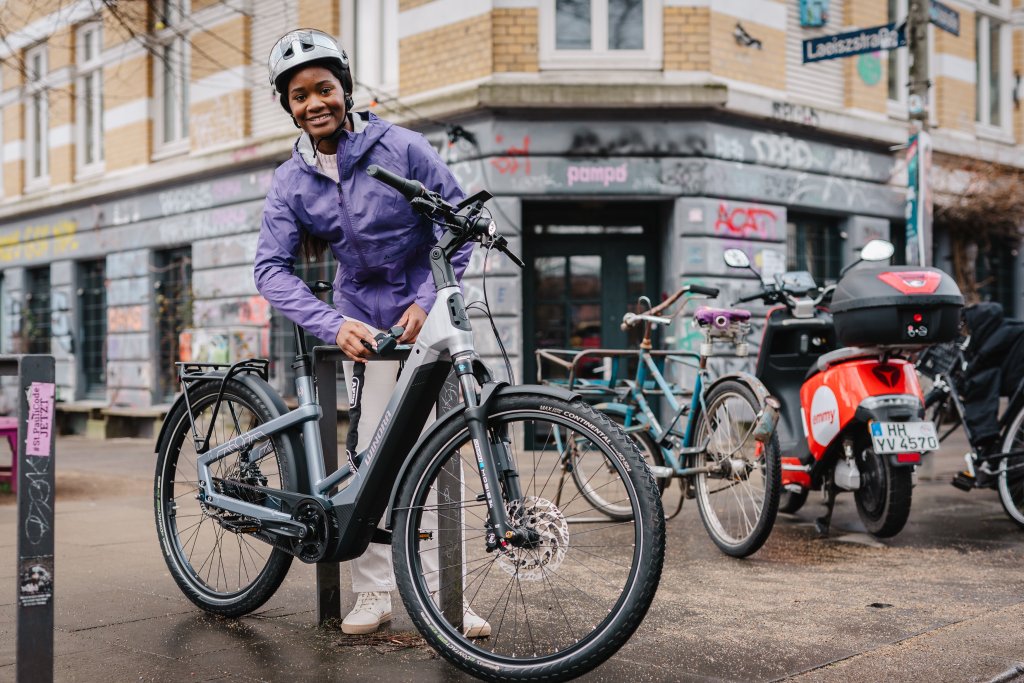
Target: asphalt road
<point x="943" y="601"/>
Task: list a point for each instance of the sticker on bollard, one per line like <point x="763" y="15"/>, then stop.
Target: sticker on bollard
<point x="35" y="581"/>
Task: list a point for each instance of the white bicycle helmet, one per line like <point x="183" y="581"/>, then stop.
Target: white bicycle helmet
<point x="302" y="47"/>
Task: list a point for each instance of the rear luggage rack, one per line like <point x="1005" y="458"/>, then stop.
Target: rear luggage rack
<point x="191" y="373"/>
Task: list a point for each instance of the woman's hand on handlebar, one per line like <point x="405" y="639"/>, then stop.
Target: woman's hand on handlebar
<point x="412" y="320"/>
<point x="350" y="340"/>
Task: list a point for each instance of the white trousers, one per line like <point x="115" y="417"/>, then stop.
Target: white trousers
<point x="370" y="388"/>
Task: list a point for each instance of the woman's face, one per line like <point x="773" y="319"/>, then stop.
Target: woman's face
<point x="317" y="101"/>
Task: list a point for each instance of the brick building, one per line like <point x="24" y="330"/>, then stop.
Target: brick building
<point x="628" y="143"/>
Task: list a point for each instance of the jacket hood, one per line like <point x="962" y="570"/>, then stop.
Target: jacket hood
<point x="982" y="320"/>
<point x="359" y="143"/>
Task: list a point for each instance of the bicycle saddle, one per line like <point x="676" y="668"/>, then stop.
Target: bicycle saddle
<point x="720" y="317"/>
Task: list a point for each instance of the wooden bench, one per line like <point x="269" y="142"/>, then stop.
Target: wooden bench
<point x="9" y="429"/>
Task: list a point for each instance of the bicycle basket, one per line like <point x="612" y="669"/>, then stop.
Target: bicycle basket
<point x="940" y="359"/>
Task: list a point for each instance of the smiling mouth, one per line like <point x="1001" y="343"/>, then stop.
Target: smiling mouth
<point x="319" y="119"/>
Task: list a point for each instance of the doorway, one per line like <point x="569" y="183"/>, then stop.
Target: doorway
<point x="586" y="264"/>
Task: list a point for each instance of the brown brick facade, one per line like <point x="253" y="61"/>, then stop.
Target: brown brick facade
<point x="404" y="5"/>
<point x="765" y="67"/>
<point x="860" y="95"/>
<point x="687" y="39"/>
<point x="515" y="40"/>
<point x="424" y="65"/>
<point x="321" y="14"/>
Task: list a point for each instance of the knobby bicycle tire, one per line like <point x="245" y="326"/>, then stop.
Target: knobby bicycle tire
<point x="603" y="573"/>
<point x="192" y="538"/>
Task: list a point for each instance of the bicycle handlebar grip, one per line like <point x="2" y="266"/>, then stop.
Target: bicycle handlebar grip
<point x="410" y="189"/>
<point x="700" y="289"/>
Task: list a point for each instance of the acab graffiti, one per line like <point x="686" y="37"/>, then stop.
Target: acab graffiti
<point x="746" y="221"/>
<point x="39" y="241"/>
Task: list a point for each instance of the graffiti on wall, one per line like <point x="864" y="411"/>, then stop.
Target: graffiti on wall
<point x="39" y="241"/>
<point x="126" y="319"/>
<point x="222" y="345"/>
<point x="747" y="221"/>
<point x="508" y="162"/>
<point x="60" y="321"/>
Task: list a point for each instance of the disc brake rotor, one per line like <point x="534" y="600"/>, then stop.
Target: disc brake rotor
<point x="547" y="521"/>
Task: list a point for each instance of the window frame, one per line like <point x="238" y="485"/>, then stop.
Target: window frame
<point x="89" y="69"/>
<point x="168" y="34"/>
<point x="650" y="57"/>
<point x="37" y="109"/>
<point x="986" y="12"/>
<point x="379" y="63"/>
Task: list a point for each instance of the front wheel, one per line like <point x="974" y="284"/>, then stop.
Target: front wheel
<point x="738" y="495"/>
<point x="592" y="484"/>
<point x="558" y="604"/>
<point x="1011" y="471"/>
<point x="883" y="499"/>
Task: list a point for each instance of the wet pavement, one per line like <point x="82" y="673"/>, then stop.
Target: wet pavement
<point x="943" y="601"/>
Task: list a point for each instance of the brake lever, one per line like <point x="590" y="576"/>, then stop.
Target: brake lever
<point x="501" y="244"/>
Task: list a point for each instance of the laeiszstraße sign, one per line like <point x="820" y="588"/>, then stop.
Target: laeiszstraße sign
<point x="886" y="37"/>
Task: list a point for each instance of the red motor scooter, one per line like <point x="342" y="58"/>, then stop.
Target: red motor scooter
<point x="852" y="416"/>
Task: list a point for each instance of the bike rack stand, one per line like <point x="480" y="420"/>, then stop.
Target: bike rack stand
<point x="328" y="574"/>
<point x="33" y="460"/>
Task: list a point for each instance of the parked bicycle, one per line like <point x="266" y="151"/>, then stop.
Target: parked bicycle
<point x="241" y="490"/>
<point x="944" y="365"/>
<point x="720" y="444"/>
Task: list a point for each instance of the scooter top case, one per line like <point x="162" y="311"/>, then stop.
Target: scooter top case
<point x="832" y="397"/>
<point x="896" y="305"/>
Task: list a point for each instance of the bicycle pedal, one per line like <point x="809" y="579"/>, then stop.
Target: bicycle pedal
<point x="963" y="481"/>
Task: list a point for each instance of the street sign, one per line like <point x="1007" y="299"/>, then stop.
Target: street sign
<point x="945" y="17"/>
<point x="886" y="37"/>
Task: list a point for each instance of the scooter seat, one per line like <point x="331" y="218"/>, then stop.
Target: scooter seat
<point x="720" y="317"/>
<point x="827" y="360"/>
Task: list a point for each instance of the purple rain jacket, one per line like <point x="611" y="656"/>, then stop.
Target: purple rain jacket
<point x="380" y="244"/>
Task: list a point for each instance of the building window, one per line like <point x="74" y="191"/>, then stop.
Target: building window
<point x="898" y="63"/>
<point x="993" y="54"/>
<point x="171" y="76"/>
<point x="37" y="127"/>
<point x="92" y="350"/>
<point x="814" y="244"/>
<point x="36" y="328"/>
<point x="173" y="301"/>
<point x="89" y="99"/>
<point x="584" y="34"/>
<point x="370" y="38"/>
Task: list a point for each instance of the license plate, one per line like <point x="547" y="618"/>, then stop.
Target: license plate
<point x="903" y="437"/>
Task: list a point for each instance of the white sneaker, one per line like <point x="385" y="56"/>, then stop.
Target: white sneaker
<point x="371" y="610"/>
<point x="473" y="625"/>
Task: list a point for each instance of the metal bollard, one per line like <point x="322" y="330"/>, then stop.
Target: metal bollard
<point x="36" y="492"/>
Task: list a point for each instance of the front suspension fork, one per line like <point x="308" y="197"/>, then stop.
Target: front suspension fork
<point x="493" y="459"/>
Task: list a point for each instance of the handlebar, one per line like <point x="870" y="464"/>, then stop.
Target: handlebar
<point x="631" y="319"/>
<point x="474" y="225"/>
<point x="410" y="189"/>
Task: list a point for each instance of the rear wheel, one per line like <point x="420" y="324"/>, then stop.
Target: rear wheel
<point x="592" y="484"/>
<point x="556" y="605"/>
<point x="739" y="497"/>
<point x="216" y="562"/>
<point x="883" y="499"/>
<point x="1011" y="471"/>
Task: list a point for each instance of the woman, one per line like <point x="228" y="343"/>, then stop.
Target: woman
<point x="323" y="199"/>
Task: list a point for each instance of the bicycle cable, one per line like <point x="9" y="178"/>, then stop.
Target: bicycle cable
<point x="485" y="306"/>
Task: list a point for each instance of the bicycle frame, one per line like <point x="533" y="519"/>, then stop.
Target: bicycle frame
<point x="445" y="339"/>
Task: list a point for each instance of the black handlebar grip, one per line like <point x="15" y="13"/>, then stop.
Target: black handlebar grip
<point x="700" y="289"/>
<point x="410" y="189"/>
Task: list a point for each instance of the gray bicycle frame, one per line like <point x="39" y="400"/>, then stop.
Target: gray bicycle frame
<point x="445" y="338"/>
